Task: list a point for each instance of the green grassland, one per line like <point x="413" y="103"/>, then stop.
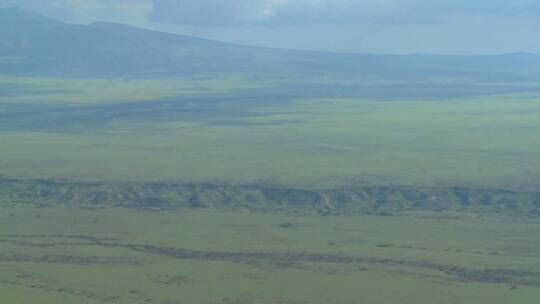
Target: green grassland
<point x="263" y="131"/>
<point x="58" y="255"/>
<point x="66" y="91"/>
<point x="154" y="142"/>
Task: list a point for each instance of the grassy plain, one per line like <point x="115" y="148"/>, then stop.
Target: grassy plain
<point x="239" y="131"/>
<point x="286" y="132"/>
<point x="57" y="255"/>
<point x="47" y="90"/>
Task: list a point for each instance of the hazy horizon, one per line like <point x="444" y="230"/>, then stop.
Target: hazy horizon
<point x="344" y="26"/>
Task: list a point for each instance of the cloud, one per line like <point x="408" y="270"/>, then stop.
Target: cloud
<point x="275" y="12"/>
<point x="288" y="12"/>
<point x="215" y="12"/>
<point x="389" y="26"/>
<point x="250" y="12"/>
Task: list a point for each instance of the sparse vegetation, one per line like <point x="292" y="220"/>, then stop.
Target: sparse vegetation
<point x="134" y="256"/>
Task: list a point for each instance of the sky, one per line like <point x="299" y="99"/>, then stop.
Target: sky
<point x="360" y="26"/>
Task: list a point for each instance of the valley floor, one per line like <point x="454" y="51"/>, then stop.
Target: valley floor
<point x="64" y="255"/>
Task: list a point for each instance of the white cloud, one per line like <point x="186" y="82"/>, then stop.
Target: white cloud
<point x="236" y="12"/>
<point x="289" y="12"/>
<point x="276" y="12"/>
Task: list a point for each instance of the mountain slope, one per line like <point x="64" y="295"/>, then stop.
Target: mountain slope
<point x="31" y="44"/>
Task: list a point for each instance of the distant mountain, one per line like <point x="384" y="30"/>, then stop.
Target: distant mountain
<point x="31" y="44"/>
